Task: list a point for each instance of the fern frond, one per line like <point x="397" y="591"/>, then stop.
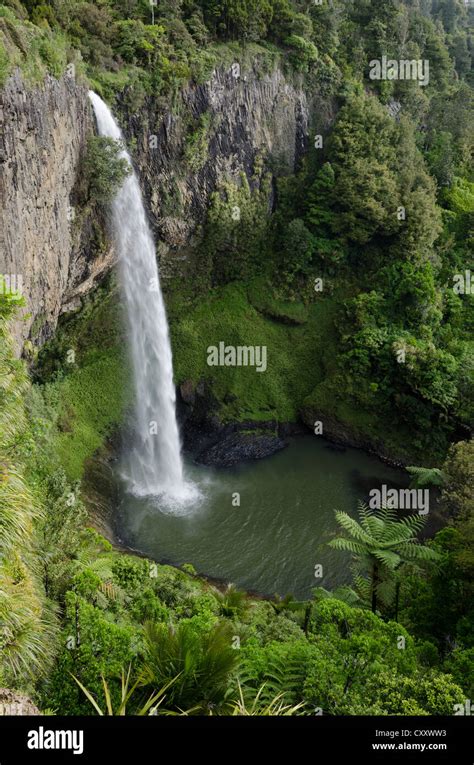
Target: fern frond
<point x="352" y="527"/>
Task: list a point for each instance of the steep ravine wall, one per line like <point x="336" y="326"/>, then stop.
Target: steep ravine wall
<point x="43" y="138"/>
<point x="49" y="242"/>
<point x="256" y="115"/>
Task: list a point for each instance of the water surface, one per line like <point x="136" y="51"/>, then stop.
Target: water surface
<point x="273" y="541"/>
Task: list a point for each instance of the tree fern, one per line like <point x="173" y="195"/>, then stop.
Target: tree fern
<point x="380" y="543"/>
<point x="423" y="477"/>
<point x="283" y="674"/>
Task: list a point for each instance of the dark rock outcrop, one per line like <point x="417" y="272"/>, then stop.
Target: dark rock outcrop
<point x="213" y="442"/>
<point x="239" y="447"/>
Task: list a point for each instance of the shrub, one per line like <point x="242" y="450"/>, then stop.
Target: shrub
<point x="303" y="53"/>
<point x="104" y="169"/>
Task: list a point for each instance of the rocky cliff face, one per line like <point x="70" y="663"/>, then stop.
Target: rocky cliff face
<point x="216" y="131"/>
<point x="16" y="704"/>
<point x="46" y="249"/>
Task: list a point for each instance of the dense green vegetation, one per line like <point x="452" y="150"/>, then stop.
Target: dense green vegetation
<point x="298" y="351"/>
<point x="192" y="648"/>
<point x="86" y="382"/>
<point x="368" y="219"/>
<point x="383" y="214"/>
<point x="26" y="617"/>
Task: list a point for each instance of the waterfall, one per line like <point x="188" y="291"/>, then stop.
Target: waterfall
<point x="153" y="464"/>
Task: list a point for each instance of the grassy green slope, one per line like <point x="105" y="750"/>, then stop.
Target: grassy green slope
<point x="88" y="396"/>
<point x="297" y="354"/>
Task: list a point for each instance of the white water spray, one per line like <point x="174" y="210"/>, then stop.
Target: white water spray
<point x="153" y="464"/>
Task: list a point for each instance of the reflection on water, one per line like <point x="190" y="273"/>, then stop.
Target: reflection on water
<point x="272" y="542"/>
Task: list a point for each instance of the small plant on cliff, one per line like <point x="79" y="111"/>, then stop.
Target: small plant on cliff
<point x="104" y="168"/>
<point x="196" y="149"/>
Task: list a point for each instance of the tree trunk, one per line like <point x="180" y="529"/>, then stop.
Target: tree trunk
<point x="397" y="599"/>
<point x="307" y="616"/>
<point x="374" y="587"/>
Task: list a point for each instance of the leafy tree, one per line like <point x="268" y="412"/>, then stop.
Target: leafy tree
<point x="321" y="217"/>
<point x="233" y="603"/>
<point x="242" y="19"/>
<point x="297" y="247"/>
<point x="303" y="54"/>
<point x="426" y="693"/>
<point x="354" y="654"/>
<point x="281" y="24"/>
<point x="460" y="665"/>
<point x="457" y="495"/>
<point x="441" y="158"/>
<point x="439" y="608"/>
<point x="376" y="184"/>
<point x="351" y="664"/>
<point x="104" y="168"/>
<point x="94" y="646"/>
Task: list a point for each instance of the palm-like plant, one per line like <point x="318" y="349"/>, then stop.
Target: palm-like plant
<point x="260" y="707"/>
<point x="381" y="542"/>
<point x="202" y="663"/>
<point x="233" y="603"/>
<point x="289" y="603"/>
<point x="27" y="622"/>
<point x="353" y="596"/>
<point x="28" y="628"/>
<point x="17" y="510"/>
<point x="150" y="707"/>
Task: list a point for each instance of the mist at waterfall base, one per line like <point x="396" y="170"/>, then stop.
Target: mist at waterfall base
<point x="152" y="465"/>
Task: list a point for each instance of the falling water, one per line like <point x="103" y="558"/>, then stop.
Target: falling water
<point x="153" y="464"/>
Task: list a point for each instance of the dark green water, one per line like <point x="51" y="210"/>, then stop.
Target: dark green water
<point x="273" y="541"/>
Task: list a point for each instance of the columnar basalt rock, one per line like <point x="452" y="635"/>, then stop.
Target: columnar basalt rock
<point x="255" y="115"/>
<point x="52" y="245"/>
<point x="43" y="138"/>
